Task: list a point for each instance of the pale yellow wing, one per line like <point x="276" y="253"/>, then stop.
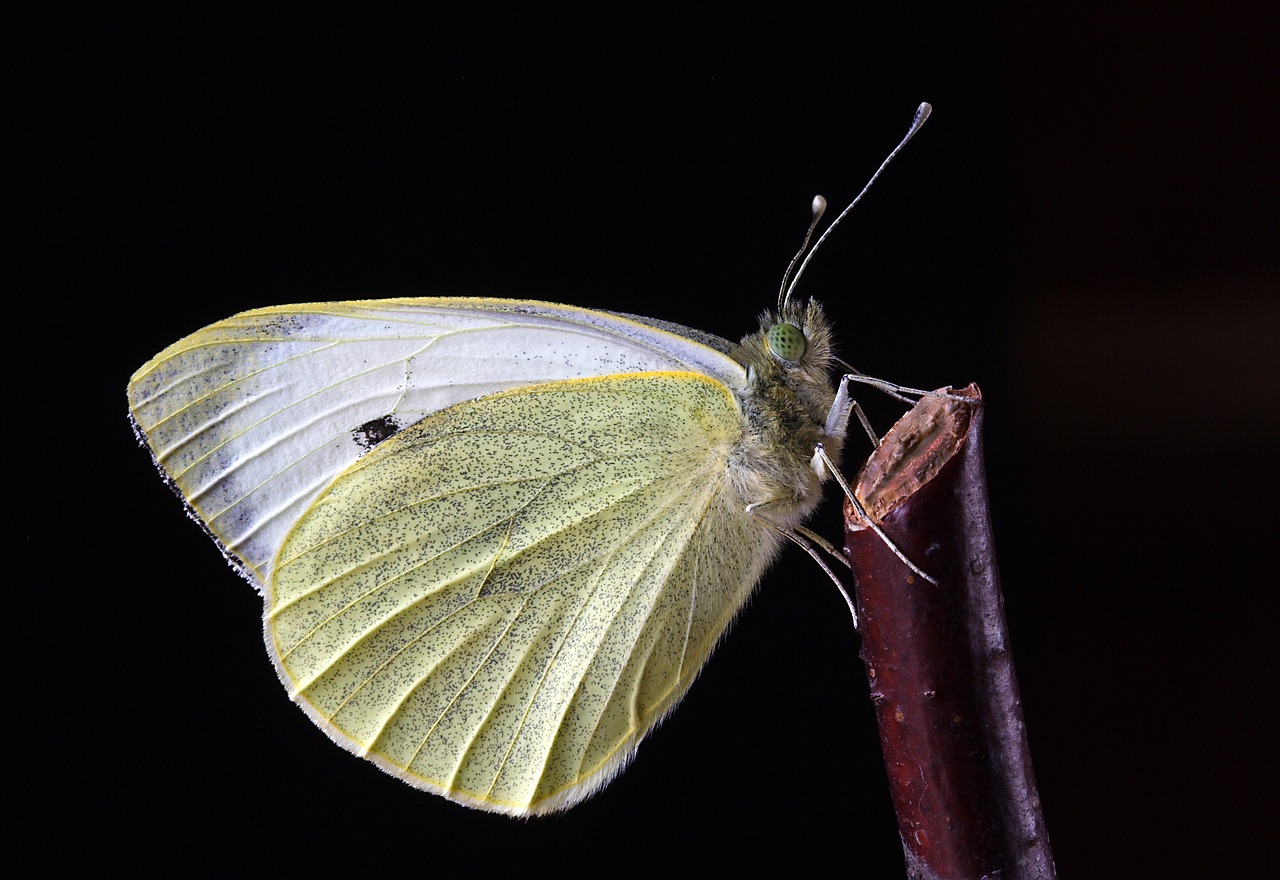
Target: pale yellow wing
<point x="500" y="601"/>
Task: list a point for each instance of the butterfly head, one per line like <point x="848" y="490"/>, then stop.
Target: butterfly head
<point x="795" y="345"/>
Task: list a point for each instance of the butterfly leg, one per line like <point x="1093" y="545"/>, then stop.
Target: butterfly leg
<point x="838" y="417"/>
<point x="821" y="453"/>
<point x="805" y="540"/>
<point x="893" y="389"/>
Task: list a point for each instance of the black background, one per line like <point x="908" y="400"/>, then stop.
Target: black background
<point x="1085" y="228"/>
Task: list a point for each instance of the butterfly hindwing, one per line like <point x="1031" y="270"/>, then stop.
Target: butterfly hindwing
<point x="498" y="602"/>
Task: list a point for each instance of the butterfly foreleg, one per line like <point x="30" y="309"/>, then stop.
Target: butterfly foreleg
<point x="838" y="415"/>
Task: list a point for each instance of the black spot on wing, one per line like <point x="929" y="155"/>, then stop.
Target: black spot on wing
<point x="374" y="431"/>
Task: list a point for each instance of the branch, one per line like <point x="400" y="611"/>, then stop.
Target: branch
<point x="941" y="672"/>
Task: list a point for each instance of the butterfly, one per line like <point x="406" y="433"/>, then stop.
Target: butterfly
<point x="496" y="539"/>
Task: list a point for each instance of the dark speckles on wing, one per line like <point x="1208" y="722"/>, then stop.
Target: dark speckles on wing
<point x="503" y="598"/>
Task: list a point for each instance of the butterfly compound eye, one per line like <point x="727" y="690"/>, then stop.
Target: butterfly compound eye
<point x="787" y="342"/>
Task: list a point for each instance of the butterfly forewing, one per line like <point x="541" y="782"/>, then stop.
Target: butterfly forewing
<point x="252" y="418"/>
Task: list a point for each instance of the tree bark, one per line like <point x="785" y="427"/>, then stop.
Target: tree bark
<point x="937" y="655"/>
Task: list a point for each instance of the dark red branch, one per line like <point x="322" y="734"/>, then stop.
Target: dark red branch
<point x="937" y="656"/>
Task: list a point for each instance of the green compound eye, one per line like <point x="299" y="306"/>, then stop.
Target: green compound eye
<point x="787" y="342"/>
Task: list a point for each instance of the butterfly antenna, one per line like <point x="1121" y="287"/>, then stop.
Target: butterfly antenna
<point x="922" y="113"/>
<point x="819" y="208"/>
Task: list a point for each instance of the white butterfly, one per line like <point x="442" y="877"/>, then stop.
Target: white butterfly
<point x="496" y="539"/>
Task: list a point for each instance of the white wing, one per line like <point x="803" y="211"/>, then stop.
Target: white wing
<point x="252" y="417"/>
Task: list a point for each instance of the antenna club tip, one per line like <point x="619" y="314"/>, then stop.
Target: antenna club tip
<point x="922" y="113"/>
<point x="819" y="207"/>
